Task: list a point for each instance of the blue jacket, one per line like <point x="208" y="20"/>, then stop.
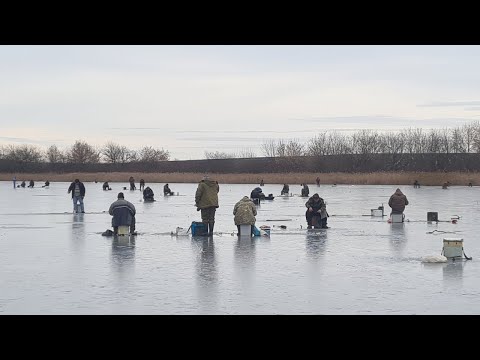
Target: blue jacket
<point x="122" y="211"/>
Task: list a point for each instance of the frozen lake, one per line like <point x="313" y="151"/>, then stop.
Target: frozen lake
<point x="56" y="262"/>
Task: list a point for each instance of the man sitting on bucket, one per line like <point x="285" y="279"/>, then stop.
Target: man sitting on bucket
<point x="123" y="213"/>
<point x="148" y="194"/>
<point x="316" y="214"/>
<point x="397" y="202"/>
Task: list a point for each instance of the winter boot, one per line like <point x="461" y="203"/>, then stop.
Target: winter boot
<point x="210" y="228"/>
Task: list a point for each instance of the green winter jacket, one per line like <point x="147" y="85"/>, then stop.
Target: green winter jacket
<point x="207" y="194"/>
<point x="245" y="212"/>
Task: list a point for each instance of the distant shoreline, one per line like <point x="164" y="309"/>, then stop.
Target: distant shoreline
<point x="377" y="178"/>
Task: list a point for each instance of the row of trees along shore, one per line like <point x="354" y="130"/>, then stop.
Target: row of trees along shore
<point x="463" y="139"/>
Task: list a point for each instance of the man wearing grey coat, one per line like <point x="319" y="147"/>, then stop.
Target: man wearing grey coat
<point x="123" y="213"/>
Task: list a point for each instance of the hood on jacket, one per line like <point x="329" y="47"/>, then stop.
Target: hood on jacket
<point x="398" y="192"/>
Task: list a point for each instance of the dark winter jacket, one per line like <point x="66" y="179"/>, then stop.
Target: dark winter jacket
<point x="148" y="193"/>
<point x="72" y="189"/>
<point x="122" y="211"/>
<point x="305" y="190"/>
<point x="397" y="202"/>
<point x="257" y="193"/>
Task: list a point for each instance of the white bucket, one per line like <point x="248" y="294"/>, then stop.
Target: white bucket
<point x="123" y="230"/>
<point x="452" y="247"/>
<point x="376" y="212"/>
<point x="397" y="218"/>
<point x="245" y="230"/>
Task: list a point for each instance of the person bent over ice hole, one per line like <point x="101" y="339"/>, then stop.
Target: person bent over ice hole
<point x="123" y="213"/>
<point x="78" y="193"/>
<point x="257" y="193"/>
<point x="285" y="190"/>
<point x="245" y="211"/>
<point x="148" y="194"/>
<point x="166" y="190"/>
<point x="106" y="186"/>
<point x="397" y="202"/>
<point x="206" y="201"/>
<point x="32" y="184"/>
<point x="316" y="212"/>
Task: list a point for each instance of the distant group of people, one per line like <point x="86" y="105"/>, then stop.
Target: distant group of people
<point x="206" y="201"/>
<point x="31" y="184"/>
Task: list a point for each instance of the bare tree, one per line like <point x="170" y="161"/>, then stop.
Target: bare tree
<point x="114" y="153"/>
<point x="365" y="142"/>
<point x="281" y="148"/>
<point x="318" y="145"/>
<point x="218" y="155"/>
<point x="457" y="141"/>
<point x="83" y="153"/>
<point x="23" y="153"/>
<point x="150" y="154"/>
<point x="55" y="155"/>
<point x="246" y="154"/>
<point x="471" y="136"/>
<point x="393" y="143"/>
<point x="269" y="148"/>
<point x="294" y="148"/>
<point x="338" y="144"/>
<point x="434" y="141"/>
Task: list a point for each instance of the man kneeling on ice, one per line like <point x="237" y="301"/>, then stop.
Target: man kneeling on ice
<point x="123" y="213"/>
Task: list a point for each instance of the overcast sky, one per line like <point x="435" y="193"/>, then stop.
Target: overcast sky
<point x="192" y="99"/>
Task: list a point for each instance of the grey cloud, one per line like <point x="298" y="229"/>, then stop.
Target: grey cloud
<point x="27" y="140"/>
<point x="450" y="103"/>
<point x="384" y="120"/>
